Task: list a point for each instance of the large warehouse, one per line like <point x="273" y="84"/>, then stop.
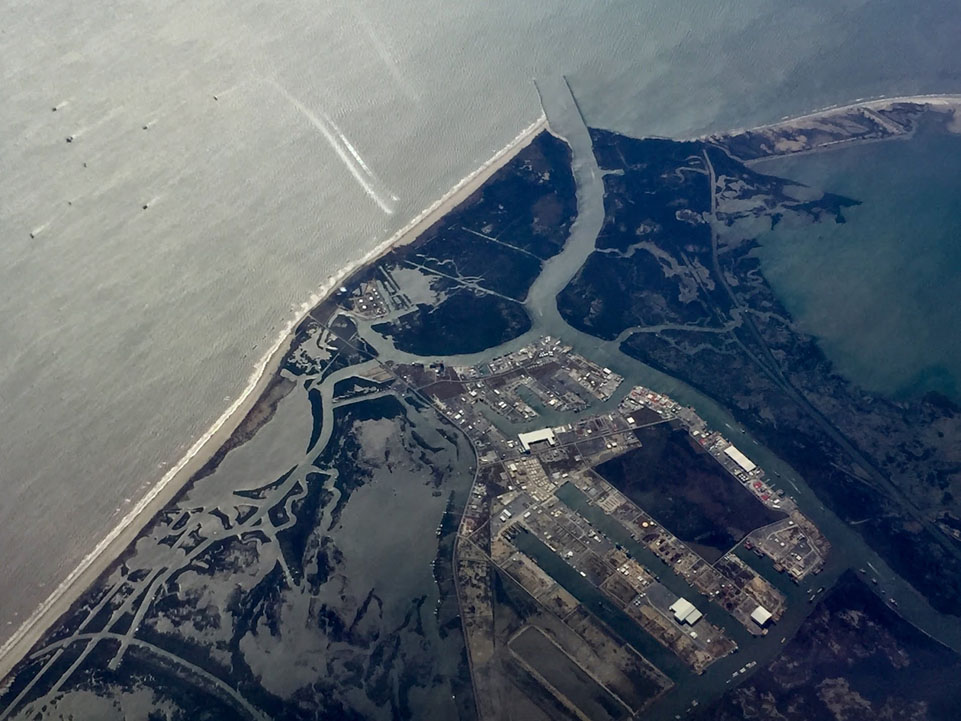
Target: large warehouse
<point x="684" y="612"/>
<point x="743" y="461"/>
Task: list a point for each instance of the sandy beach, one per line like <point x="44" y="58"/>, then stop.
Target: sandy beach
<point x="161" y="493"/>
<point x="941" y="100"/>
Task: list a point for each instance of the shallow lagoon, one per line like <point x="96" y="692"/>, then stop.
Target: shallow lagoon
<point x="880" y="291"/>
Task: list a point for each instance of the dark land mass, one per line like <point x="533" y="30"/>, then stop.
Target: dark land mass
<point x="853" y="659"/>
<point x="467" y="321"/>
<point x="819" y="131"/>
<point x="293" y="540"/>
<point x="527" y="207"/>
<point x="250" y="601"/>
<point x="354" y="386"/>
<point x="322" y="347"/>
<point x="653" y="259"/>
<point x="546" y="660"/>
<point x="317" y="414"/>
<point x="481" y="258"/>
<point x="660" y="198"/>
<point x="692" y="301"/>
<point x="689" y="493"/>
<point x="492" y="265"/>
<point x="258" y="416"/>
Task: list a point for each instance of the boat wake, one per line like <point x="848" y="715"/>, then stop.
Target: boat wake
<point x="345" y="151"/>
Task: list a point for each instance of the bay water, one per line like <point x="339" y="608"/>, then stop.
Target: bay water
<point x="880" y="291"/>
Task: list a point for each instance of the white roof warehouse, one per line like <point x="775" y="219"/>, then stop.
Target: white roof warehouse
<point x="743" y="461"/>
<point x="545" y="434"/>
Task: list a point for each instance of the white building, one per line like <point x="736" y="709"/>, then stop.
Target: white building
<point x="760" y="615"/>
<point x="684" y="612"/>
<point x="743" y="461"/>
<point x="545" y="434"/>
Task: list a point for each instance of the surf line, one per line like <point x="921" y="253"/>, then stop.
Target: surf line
<point x="346" y="156"/>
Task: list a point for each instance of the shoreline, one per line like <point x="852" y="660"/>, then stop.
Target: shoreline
<point x="118" y="539"/>
<point x="97" y="561"/>
<point x="945" y="100"/>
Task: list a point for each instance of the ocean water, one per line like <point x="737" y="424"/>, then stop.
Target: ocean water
<point x="881" y="291"/>
<point x="125" y="331"/>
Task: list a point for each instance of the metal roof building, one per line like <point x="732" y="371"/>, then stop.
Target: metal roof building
<point x="545" y="434"/>
<point x="760" y="615"/>
<point x="743" y="461"/>
<point x="684" y="612"/>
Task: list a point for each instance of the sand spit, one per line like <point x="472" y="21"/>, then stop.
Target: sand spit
<point x="944" y="101"/>
<point x="114" y="543"/>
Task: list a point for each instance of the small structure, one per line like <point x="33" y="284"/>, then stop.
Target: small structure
<point x="743" y="461"/>
<point x="684" y="612"/>
<point x="760" y="615"/>
<point x="545" y="434"/>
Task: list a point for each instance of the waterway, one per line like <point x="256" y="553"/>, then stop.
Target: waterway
<point x="848" y="548"/>
<point x="124" y="332"/>
<point x="390" y="542"/>
<point x="849" y="551"/>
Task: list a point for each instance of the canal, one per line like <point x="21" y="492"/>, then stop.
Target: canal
<point x="849" y="550"/>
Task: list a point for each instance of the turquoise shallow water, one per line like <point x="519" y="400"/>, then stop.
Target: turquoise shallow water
<point x="880" y="292"/>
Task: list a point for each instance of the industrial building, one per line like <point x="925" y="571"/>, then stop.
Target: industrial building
<point x="760" y="615"/>
<point x="545" y="434"/>
<point x="684" y="612"/>
<point x="743" y="461"/>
